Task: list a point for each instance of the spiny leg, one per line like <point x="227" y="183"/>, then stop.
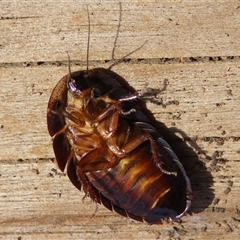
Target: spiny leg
<point x="136" y="142"/>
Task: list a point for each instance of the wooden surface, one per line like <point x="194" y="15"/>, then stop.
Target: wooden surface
<point x="193" y="44"/>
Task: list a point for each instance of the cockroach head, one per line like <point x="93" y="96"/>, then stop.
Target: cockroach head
<point x="78" y="83"/>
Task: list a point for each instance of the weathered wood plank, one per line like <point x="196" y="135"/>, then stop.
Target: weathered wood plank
<point x="32" y="190"/>
<point x="37" y="201"/>
<point x="44" y="31"/>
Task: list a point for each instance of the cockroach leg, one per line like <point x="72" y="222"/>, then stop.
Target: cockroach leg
<point x="105" y="113"/>
<point x="112" y="113"/>
<point x="165" y="171"/>
<point x="137" y="141"/>
<point x="61" y="131"/>
<point x="128" y="112"/>
<point x="73" y="118"/>
<point x="88" y="190"/>
<point x="107" y="127"/>
<point x="130" y="97"/>
<point x="95" y="211"/>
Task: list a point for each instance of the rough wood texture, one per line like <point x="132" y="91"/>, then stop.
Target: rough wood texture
<point x="193" y="44"/>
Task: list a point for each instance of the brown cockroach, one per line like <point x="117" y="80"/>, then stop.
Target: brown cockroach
<point x="110" y="149"/>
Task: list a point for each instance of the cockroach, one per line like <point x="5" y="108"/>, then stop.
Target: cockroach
<point x="110" y="149"/>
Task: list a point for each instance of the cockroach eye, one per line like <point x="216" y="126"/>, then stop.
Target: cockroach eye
<point x="71" y="85"/>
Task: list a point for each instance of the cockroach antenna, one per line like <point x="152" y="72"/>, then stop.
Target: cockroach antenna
<point x="88" y="41"/>
<point x="69" y="67"/>
<point x="117" y="61"/>
<point x="118" y="30"/>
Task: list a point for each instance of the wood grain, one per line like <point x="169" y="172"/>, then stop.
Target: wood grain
<point x="193" y="45"/>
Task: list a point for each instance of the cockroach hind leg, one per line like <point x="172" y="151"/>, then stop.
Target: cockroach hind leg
<point x="62" y="130"/>
<point x="159" y="165"/>
<point x="84" y="197"/>
<point x="156" y="158"/>
<point x="95" y="211"/>
<point x="128" y="112"/>
<point x="130" y="97"/>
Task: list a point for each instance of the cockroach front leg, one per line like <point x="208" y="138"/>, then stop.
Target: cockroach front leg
<point x="107" y="121"/>
<point x="107" y="127"/>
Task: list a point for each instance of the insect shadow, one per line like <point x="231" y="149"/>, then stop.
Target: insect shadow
<point x="187" y="151"/>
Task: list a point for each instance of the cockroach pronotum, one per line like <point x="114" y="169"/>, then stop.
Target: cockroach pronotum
<point x="110" y="149"/>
